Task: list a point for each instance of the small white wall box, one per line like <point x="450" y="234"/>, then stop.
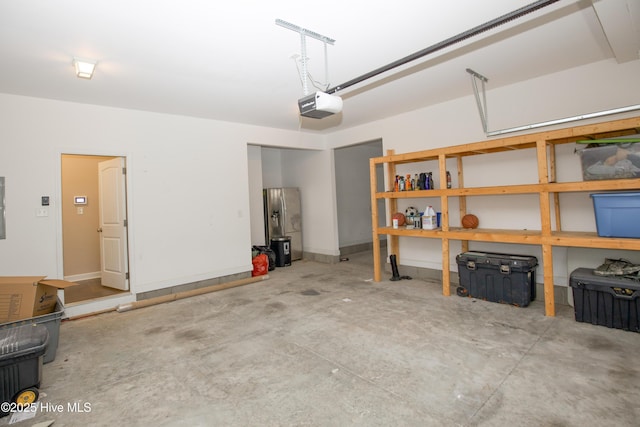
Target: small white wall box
<point x="80" y="200"/>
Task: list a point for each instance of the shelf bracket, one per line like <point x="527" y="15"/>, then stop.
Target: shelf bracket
<point x="482" y="102"/>
<point x="304" y="33"/>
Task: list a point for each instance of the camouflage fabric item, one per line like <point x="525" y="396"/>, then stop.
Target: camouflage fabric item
<point x="617" y="267"/>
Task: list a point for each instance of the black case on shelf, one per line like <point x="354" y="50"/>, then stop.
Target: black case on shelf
<point x="606" y="300"/>
<point x="496" y="277"/>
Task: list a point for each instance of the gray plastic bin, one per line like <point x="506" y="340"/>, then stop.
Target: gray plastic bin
<point x="21" y="353"/>
<point x="51" y="322"/>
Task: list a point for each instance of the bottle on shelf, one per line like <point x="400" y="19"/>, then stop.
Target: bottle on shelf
<point x="423" y="181"/>
<point x="429" y="219"/>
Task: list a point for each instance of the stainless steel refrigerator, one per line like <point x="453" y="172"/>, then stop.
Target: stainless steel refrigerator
<point x="283" y="217"/>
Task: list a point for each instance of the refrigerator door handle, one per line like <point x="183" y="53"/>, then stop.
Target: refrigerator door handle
<point x="283" y="225"/>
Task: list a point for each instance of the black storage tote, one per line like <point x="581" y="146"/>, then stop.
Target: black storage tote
<point x="21" y="357"/>
<point x="606" y="300"/>
<point x="496" y="277"/>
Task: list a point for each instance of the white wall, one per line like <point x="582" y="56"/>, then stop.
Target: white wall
<point x="271" y="167"/>
<point x="256" y="218"/>
<point x="265" y="171"/>
<point x="587" y="89"/>
<point x="353" y="192"/>
<point x="189" y="208"/>
<point x="313" y="172"/>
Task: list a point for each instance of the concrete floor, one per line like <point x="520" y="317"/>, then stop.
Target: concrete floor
<point x="322" y="345"/>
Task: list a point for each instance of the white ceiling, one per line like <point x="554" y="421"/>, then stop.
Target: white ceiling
<point x="230" y="61"/>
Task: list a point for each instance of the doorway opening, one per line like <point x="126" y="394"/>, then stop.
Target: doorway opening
<point x="353" y="195"/>
<point x="94" y="228"/>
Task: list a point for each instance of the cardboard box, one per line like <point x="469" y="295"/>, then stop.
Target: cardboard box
<point x="23" y="297"/>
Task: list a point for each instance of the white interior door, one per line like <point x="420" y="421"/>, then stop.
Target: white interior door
<point x="112" y="226"/>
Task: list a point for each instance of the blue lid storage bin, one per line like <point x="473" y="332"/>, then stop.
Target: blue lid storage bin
<point x="617" y="214"/>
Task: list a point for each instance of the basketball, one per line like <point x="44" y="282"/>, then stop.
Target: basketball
<point x="400" y="217"/>
<point x="470" y="221"/>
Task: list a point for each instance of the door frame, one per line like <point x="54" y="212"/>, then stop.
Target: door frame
<point x="94" y="306"/>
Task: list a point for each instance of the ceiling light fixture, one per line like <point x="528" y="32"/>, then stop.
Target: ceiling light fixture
<point x="84" y="67"/>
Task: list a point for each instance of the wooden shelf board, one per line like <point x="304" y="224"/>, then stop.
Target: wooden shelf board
<point x="603" y="185"/>
<point x="591" y="240"/>
<point x="558" y="187"/>
<point x="528" y="237"/>
<point x="531" y="237"/>
<point x="409" y="194"/>
<point x="414" y="232"/>
<point x="551" y="137"/>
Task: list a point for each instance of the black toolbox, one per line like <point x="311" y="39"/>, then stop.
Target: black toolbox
<point x="21" y="357"/>
<point x="606" y="300"/>
<point x="496" y="277"/>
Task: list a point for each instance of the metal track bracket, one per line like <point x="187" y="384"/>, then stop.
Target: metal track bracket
<point x="481" y="101"/>
<point x="304" y="33"/>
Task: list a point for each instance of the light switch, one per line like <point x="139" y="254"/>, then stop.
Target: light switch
<point x="80" y="211"/>
<point x="42" y="212"/>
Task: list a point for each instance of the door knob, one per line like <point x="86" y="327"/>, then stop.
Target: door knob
<point x="99" y="230"/>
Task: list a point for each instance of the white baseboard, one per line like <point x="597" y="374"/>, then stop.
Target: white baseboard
<point x="84" y="276"/>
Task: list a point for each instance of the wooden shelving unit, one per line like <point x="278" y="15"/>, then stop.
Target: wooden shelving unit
<point x="547" y="237"/>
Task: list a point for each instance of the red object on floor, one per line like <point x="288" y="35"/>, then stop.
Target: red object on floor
<point x="260" y="265"/>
